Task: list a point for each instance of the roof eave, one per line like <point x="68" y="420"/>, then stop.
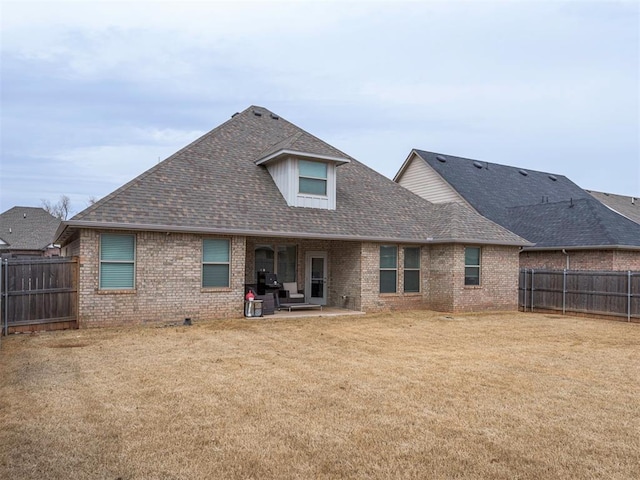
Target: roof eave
<point x="73" y="224"/>
<point x="296" y="153"/>
<point x="581" y="247"/>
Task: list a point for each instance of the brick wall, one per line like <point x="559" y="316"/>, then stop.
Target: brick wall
<point x="345" y="262"/>
<point x="168" y="282"/>
<point x="582" y="260"/>
<point x="626" y="260"/>
<point x="169" y="271"/>
<point x="442" y="279"/>
<point x="373" y="300"/>
<point x="498" y="289"/>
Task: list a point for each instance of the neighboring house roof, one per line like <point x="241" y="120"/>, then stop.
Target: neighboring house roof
<point x="624" y="205"/>
<point x="213" y="185"/>
<point x="546" y="209"/>
<point x="27" y="228"/>
<point x="583" y="223"/>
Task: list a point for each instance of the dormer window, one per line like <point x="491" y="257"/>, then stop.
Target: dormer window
<point x="304" y="170"/>
<point x="312" y="179"/>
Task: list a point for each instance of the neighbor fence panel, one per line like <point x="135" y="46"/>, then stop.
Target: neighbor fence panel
<point x="39" y="293"/>
<point x="603" y="293"/>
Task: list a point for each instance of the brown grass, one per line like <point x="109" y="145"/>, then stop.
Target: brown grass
<point x="411" y="395"/>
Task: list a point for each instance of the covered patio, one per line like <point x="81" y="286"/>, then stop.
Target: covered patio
<point x="325" y="273"/>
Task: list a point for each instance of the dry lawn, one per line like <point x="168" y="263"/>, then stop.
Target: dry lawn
<point x="411" y="395"/>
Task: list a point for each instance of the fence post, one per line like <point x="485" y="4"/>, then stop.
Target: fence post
<point x="524" y="292"/>
<point x="1" y="302"/>
<point x="532" y="274"/>
<point x="629" y="296"/>
<point x="6" y="297"/>
<point x="564" y="291"/>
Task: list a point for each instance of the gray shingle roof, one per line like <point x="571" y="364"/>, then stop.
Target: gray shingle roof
<point x="27" y="228"/>
<point x="579" y="223"/>
<point x="547" y="209"/>
<point x="627" y="206"/>
<point x="213" y="185"/>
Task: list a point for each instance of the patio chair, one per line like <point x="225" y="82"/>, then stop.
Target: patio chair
<point x="289" y="293"/>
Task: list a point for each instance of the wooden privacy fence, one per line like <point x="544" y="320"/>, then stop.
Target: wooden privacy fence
<point x="39" y="294"/>
<point x="601" y="293"/>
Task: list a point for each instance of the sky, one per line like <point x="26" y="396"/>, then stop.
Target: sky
<point x="95" y="93"/>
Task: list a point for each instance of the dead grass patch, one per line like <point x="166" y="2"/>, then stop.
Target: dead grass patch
<point x="410" y="395"/>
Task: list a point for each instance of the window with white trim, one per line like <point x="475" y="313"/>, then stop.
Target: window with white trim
<point x="216" y="260"/>
<point x="117" y="261"/>
<point x="472" y="266"/>
<point x="411" y="269"/>
<point x="312" y="177"/>
<point x="388" y="269"/>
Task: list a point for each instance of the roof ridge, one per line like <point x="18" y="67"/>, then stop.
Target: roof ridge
<point x="500" y="165"/>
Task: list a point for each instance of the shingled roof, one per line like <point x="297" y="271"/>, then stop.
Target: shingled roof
<point x="546" y="209"/>
<point x="624" y="205"/>
<point x="213" y="185"/>
<point x="27" y="228"/>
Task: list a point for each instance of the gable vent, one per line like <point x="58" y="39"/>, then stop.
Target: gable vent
<point x="478" y="164"/>
<point x="524" y="173"/>
<point x="441" y="158"/>
<point x="553" y="177"/>
<point x="257" y="113"/>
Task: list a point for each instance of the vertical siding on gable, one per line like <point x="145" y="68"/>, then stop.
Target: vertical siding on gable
<point x="284" y="178"/>
<point x="424" y="181"/>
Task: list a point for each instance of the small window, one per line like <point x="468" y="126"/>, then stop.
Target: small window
<point x="312" y="177"/>
<point x="215" y="263"/>
<point x="117" y="262"/>
<point x="388" y="269"/>
<point x="472" y="266"/>
<point x="411" y="269"/>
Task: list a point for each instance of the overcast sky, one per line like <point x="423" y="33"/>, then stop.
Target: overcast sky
<point x="95" y="93"/>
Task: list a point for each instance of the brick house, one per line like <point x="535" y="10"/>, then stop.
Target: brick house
<point x="568" y="227"/>
<point x="28" y="232"/>
<point x="258" y="193"/>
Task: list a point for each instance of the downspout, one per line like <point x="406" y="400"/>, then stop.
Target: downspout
<point x="565" y="252"/>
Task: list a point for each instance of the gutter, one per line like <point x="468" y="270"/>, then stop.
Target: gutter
<point x="252" y="233"/>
